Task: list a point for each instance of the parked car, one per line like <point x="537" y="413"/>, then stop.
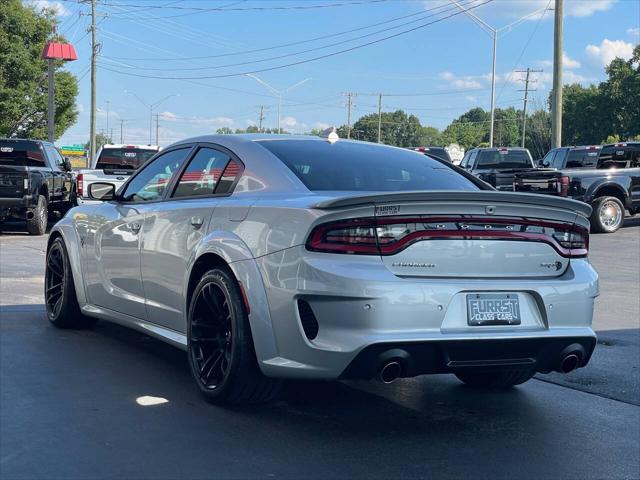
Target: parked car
<point x="113" y="164"/>
<point x="436" y="152"/>
<point x="496" y="166"/>
<point x="269" y="257"/>
<point x="35" y="181"/>
<point x="610" y="186"/>
<point x="571" y="157"/>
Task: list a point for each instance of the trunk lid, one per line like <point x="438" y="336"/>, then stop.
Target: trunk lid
<point x="473" y="234"/>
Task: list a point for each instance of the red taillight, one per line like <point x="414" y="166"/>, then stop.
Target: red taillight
<point x="390" y="235"/>
<point x="80" y="184"/>
<point x="563" y="186"/>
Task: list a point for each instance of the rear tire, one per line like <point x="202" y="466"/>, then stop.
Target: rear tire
<point x="501" y="379"/>
<point x="221" y="355"/>
<point x="60" y="298"/>
<point x="37" y="225"/>
<point x="607" y="215"/>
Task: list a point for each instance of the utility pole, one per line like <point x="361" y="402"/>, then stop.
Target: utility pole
<point x="379" y="117"/>
<point x="261" y="119"/>
<point x="350" y="96"/>
<point x="526" y="91"/>
<point x="94" y="53"/>
<point x="556" y="105"/>
<point x="157" y="127"/>
<point x="108" y="102"/>
<point x="121" y="128"/>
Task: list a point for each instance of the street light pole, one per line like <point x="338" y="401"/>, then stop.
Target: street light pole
<point x="277" y="93"/>
<point x="151" y="107"/>
<point x="494" y="33"/>
<point x="556" y="105"/>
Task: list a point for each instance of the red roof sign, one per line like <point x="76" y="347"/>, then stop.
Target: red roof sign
<point x="59" y="51"/>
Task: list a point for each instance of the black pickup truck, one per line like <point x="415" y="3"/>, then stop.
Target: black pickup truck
<point x="610" y="182"/>
<point x="35" y="180"/>
<point x="497" y="166"/>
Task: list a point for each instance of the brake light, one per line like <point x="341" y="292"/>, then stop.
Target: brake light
<point x="563" y="186"/>
<point x="391" y="235"/>
<point x="80" y="184"/>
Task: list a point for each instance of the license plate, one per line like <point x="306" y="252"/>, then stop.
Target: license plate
<point x="493" y="309"/>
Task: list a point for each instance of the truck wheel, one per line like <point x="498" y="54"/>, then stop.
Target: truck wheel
<point x="607" y="215"/>
<point x="37" y="224"/>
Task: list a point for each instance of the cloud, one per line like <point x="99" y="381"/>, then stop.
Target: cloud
<point x="608" y="50"/>
<point x="460" y="82"/>
<point x="209" y="122"/>
<point x="59" y="9"/>
<point x="321" y="125"/>
<point x="634" y="32"/>
<point x="289" y="122"/>
<point x="496" y="13"/>
<point x="568" y="62"/>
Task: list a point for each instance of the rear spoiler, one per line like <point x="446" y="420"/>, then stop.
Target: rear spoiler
<point x="486" y="196"/>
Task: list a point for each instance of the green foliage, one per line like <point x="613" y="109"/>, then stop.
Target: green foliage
<point x="23" y="74"/>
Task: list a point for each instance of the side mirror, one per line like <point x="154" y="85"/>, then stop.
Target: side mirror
<point x="66" y="164"/>
<point x="102" y="191"/>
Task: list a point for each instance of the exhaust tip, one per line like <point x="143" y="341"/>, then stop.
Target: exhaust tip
<point x="569" y="363"/>
<point x="390" y="372"/>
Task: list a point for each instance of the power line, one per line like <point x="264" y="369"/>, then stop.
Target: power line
<point x="300" y="62"/>
<point x="293" y="54"/>
<point x="290" y="44"/>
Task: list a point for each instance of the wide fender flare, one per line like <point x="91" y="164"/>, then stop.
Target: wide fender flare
<point x="66" y="229"/>
<point x="244" y="267"/>
<point x="595" y="187"/>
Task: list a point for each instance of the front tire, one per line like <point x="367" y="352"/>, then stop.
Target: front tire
<point x="220" y="347"/>
<point x="60" y="298"/>
<point x="37" y="225"/>
<point x="501" y="379"/>
<point x="607" y="215"/>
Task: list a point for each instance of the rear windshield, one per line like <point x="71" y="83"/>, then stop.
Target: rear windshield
<point x="349" y="166"/>
<point x="489" y="159"/>
<point x="582" y="158"/>
<point x="627" y="156"/>
<point x="21" y="154"/>
<point x="123" y="158"/>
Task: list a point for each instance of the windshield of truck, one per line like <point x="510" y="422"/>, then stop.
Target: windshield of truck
<point x="503" y="158"/>
<point x="21" y="153"/>
<point x="123" y="158"/>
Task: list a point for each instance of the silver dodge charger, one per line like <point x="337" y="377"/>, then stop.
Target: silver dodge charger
<point x="271" y="257"/>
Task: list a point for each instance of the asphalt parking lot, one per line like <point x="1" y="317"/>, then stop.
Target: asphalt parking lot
<point x="71" y="403"/>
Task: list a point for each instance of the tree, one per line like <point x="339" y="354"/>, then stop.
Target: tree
<point x="23" y="74"/>
<point x="224" y="131"/>
<point x="101" y="141"/>
<point x="397" y="128"/>
<point x="469" y="129"/>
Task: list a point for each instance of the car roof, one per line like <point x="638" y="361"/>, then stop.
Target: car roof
<point x="43" y="142"/>
<point x="130" y="145"/>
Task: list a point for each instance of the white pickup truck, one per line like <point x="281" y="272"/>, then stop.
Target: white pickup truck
<point x="113" y="164"/>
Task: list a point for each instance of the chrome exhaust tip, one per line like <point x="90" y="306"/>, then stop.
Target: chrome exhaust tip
<point x="390" y="372"/>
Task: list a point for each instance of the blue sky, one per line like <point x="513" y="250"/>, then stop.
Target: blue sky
<point x="436" y="72"/>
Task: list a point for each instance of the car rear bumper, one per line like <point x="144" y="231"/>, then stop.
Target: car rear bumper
<point x="361" y="309"/>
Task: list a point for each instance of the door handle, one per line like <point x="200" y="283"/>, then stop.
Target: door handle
<point x="135" y="227"/>
<point x="197" y="221"/>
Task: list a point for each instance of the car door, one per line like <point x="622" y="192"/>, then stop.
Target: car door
<point x="58" y="174"/>
<point x="114" y="280"/>
<point x="172" y="229"/>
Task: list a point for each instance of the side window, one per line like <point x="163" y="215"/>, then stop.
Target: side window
<point x="229" y="176"/>
<point x="465" y="160"/>
<point x="54" y="156"/>
<point x="472" y="158"/>
<point x="547" y="161"/>
<point x="150" y="183"/>
<point x="202" y="174"/>
<point x="558" y="162"/>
